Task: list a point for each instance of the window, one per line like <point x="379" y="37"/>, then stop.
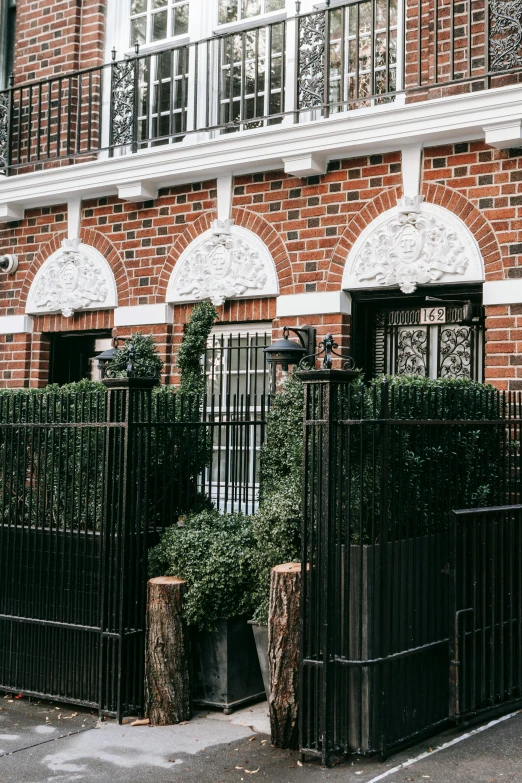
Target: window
<point x="157" y="20"/>
<point x="236" y="10"/>
<point x="237" y="390"/>
<point x="73" y="356"/>
<point x="7" y="38"/>
<point x="252" y="76"/>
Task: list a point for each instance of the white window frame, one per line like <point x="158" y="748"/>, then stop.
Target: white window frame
<point x="221" y="493"/>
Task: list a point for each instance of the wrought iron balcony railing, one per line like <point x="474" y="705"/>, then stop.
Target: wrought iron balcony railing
<point x="312" y="66"/>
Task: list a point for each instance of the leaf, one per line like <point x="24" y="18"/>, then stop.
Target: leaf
<point x="252" y="771"/>
<point x="141" y="722"/>
<point x="299" y="763"/>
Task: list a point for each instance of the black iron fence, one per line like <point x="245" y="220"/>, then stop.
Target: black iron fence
<point x="313" y="65"/>
<point x="88" y="480"/>
<point x="385" y="466"/>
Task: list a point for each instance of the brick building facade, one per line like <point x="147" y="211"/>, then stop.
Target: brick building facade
<point x="331" y="205"/>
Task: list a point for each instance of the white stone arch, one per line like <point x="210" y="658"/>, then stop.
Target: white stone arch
<point x="413" y="244"/>
<point x="75" y="278"/>
<point x="226" y="262"/>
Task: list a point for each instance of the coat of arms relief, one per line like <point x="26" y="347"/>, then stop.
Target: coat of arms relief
<point x="75" y="278"/>
<point x="411" y="246"/>
<point x="224" y="264"/>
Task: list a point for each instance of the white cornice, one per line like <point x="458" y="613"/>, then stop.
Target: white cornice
<point x="363" y="131"/>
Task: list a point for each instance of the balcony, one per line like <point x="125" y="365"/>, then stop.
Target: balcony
<point x="288" y="73"/>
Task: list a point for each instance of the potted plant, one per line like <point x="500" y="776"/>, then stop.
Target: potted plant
<point x="213" y="553"/>
<point x="277" y="523"/>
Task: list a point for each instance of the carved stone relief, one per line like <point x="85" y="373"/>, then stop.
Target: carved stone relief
<point x="413" y="244"/>
<point x="76" y="277"/>
<point x="225" y="263"/>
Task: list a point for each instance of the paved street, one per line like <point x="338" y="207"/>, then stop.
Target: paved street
<point x="42" y="742"/>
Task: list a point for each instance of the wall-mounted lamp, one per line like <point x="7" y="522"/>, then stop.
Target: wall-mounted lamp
<point x="105" y="358"/>
<point x="8" y="264"/>
<point x="286" y="352"/>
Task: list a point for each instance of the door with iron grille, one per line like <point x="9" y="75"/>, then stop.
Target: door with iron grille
<point x="433" y="339"/>
<point x="485" y="610"/>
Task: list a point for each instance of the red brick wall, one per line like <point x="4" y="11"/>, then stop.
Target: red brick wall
<point x="56" y="36"/>
<point x="309" y="226"/>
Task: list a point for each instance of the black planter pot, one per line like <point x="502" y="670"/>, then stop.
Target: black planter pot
<point x="261" y="640"/>
<point x="226" y="667"/>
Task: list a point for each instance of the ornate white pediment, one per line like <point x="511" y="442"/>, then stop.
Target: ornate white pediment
<point x="76" y="277"/>
<point x="413" y="244"/>
<point x="226" y="262"/>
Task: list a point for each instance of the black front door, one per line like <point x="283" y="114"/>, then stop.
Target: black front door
<point x="72" y="356"/>
<point x="409" y="335"/>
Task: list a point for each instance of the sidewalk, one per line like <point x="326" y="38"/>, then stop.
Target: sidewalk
<point x="42" y="742"/>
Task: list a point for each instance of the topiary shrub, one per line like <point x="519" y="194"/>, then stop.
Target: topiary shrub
<point x="213" y="553"/>
<point x="146" y="361"/>
<point x="192" y="348"/>
<point x="277" y="523"/>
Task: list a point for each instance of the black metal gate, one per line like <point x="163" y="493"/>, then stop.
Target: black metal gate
<point x="88" y="481"/>
<point x="485" y="610"/>
<point x="384" y="466"/>
<point x="72" y="548"/>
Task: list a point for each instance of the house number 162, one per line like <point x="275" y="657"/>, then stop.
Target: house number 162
<point x="433" y="315"/>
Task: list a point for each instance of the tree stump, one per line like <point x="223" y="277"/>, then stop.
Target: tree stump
<point x="284" y="650"/>
<point x="167" y="662"/>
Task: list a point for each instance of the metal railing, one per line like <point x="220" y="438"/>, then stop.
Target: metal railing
<point x="301" y="69"/>
<point x="384" y="467"/>
<point x="88" y="481"/>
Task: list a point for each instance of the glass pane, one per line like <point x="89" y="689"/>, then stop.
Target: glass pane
<point x="365" y="18"/>
<point x="138" y="6"/>
<point x="159" y="3"/>
<point x="335" y="60"/>
<point x="228" y="10"/>
<point x="274" y="5"/>
<point x="250" y="77"/>
<point x="393" y="12"/>
<point x="159" y="26"/>
<point x="277" y="37"/>
<point x="336" y="24"/>
<point x="180" y="20"/>
<point x="251" y="8"/>
<point x="380" y="18"/>
<point x="138" y="30"/>
<point x="380" y="50"/>
<point x="275" y="80"/>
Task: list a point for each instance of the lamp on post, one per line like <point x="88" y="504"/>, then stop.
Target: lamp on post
<point x="105" y="358"/>
<point x="284" y="352"/>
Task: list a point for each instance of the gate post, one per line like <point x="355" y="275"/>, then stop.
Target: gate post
<point x="124" y="545"/>
<point x="325" y="391"/>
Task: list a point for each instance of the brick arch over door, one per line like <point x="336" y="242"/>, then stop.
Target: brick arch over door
<point x="440" y="195"/>
<point x="88" y="237"/>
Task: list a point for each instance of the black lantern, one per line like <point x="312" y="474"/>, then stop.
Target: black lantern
<point x="286" y="352"/>
<point x="105" y="359"/>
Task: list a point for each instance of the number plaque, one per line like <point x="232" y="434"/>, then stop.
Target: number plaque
<point x="432" y="315"/>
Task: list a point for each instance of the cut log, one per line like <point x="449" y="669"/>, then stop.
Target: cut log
<point x="284" y="650"/>
<point x="167" y="663"/>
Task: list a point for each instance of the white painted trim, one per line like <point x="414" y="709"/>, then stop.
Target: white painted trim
<point x="305" y="165"/>
<point x="224" y="197"/>
<point x="256" y="327"/>
<point x="10" y="212"/>
<point x="499" y="292"/>
<point x="74" y="214"/>
<point x="138" y="191"/>
<point x="411" y="169"/>
<point x="360" y="132"/>
<point x="504" y="134"/>
<point x="16" y="324"/>
<point x="321" y="303"/>
<point x="144" y="315"/>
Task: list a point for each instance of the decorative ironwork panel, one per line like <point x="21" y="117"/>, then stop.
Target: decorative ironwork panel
<point x="4" y="129"/>
<point x="412" y="351"/>
<point x="312" y="43"/>
<point x="122" y="102"/>
<point x="505" y="42"/>
<point x="455" y="352"/>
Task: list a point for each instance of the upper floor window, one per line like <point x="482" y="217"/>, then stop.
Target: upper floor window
<point x="157" y="20"/>
<point x="236" y="10"/>
<point x="7" y="37"/>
